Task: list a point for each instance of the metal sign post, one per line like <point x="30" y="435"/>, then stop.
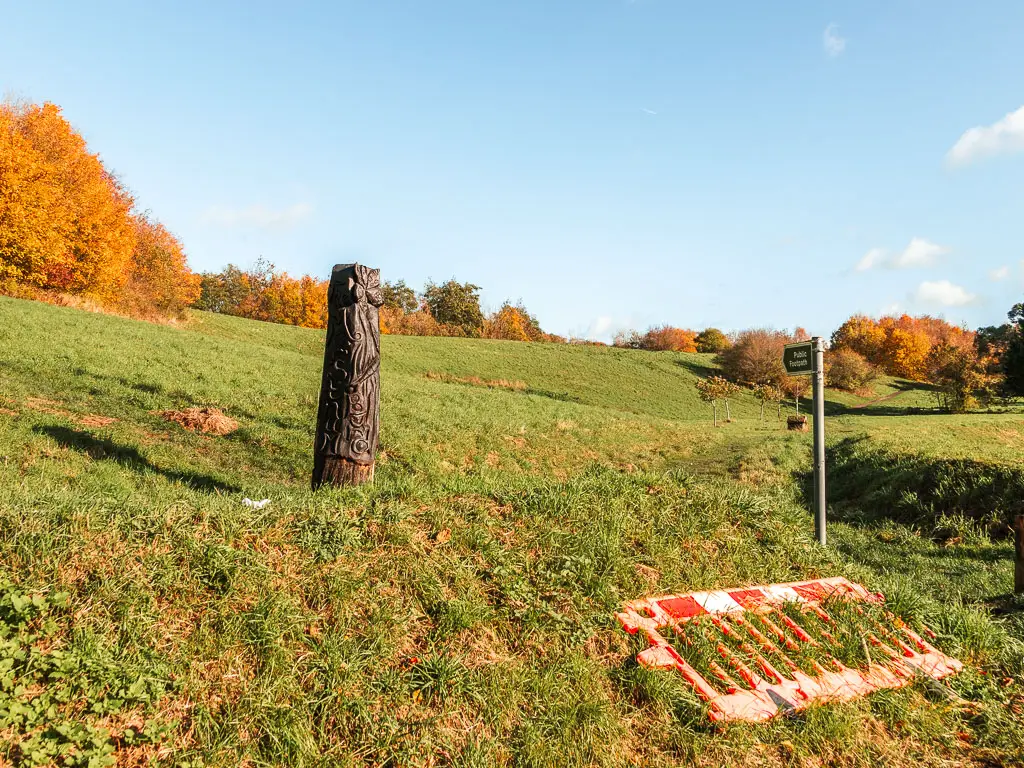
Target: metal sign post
<point x="808" y="359"/>
<point x="819" y="440"/>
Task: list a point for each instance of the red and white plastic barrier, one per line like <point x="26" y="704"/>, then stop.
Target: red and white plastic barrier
<point x="759" y="694"/>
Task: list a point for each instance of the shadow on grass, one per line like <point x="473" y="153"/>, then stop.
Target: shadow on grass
<point x="563" y="396"/>
<point x="940" y="497"/>
<point x="934" y="566"/>
<point x="172" y="397"/>
<point x="101" y="448"/>
<point x="700" y="368"/>
<point x="892" y="410"/>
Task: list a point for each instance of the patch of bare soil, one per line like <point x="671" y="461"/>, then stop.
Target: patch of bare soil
<point x="209" y="421"/>
<point x="7" y="412"/>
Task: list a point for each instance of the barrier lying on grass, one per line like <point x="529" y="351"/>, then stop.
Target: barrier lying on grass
<point x="756" y="652"/>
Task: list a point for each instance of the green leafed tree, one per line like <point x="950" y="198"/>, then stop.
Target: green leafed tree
<point x="456" y="304"/>
<point x="400" y="297"/>
<point x="1013" y="357"/>
<point x="958" y="377"/>
<point x="711" y="340"/>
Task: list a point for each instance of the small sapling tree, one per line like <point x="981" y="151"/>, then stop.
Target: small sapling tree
<point x="768" y="393"/>
<point x="794" y="387"/>
<point x="713" y="389"/>
<point x="729" y="390"/>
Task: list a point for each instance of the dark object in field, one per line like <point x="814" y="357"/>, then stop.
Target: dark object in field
<point x="209" y="421"/>
<point x="347" y="420"/>
<point x="1018" y="554"/>
<point x="797" y="423"/>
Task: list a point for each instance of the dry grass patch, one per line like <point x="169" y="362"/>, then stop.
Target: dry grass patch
<point x="93" y="420"/>
<point x="42" y="405"/>
<point x="209" y="421"/>
<point x="476" y="381"/>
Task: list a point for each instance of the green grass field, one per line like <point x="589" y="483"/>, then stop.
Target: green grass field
<point x="458" y="611"/>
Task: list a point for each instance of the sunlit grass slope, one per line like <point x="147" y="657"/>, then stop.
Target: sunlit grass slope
<point x="458" y="611"/>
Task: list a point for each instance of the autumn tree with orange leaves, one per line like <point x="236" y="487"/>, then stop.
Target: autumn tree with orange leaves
<point x="159" y="281"/>
<point x="67" y="225"/>
<point x="86" y="243"/>
<point x="513" y="322"/>
<point x="900" y="345"/>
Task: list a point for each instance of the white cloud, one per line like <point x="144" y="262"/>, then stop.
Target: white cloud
<point x="258" y="216"/>
<point x="834" y="44"/>
<point x="605" y="327"/>
<point x="873" y="258"/>
<point x="998" y="275"/>
<point x="944" y="294"/>
<point x="1002" y="137"/>
<point x="918" y="253"/>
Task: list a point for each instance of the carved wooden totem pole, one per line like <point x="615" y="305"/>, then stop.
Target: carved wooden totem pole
<point x="347" y="422"/>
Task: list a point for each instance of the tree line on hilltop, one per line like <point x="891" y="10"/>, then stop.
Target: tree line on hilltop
<point x="70" y="232"/>
<point x="446" y="309"/>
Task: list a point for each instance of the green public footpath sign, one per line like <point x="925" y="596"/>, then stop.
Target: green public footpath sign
<point x="799" y="358"/>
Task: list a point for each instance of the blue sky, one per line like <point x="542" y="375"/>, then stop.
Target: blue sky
<point x="612" y="163"/>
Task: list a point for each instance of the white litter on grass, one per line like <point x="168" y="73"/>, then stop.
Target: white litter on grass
<point x="255" y="504"/>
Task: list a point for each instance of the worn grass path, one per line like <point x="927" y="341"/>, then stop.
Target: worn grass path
<point x="458" y="612"/>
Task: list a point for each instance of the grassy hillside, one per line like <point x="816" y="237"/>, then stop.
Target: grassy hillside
<point x="457" y="612"/>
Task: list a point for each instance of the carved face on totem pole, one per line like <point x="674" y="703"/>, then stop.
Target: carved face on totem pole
<point x="350" y="395"/>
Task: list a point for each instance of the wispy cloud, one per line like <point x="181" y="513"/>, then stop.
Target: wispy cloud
<point x="602" y="328"/>
<point x="918" y="253"/>
<point x="998" y="275"/>
<point x="1002" y="137"/>
<point x="605" y="327"/>
<point x="873" y="258"/>
<point x="833" y="43"/>
<point x="258" y="216"/>
<point x="648" y="111"/>
<point x="943" y="293"/>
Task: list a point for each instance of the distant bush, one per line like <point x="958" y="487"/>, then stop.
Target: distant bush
<point x="711" y="340"/>
<point x="848" y="370"/>
<point x="662" y="338"/>
<point x="262" y="293"/>
<point x="418" y="323"/>
<point x="756" y="357"/>
<point x="513" y="323"/>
